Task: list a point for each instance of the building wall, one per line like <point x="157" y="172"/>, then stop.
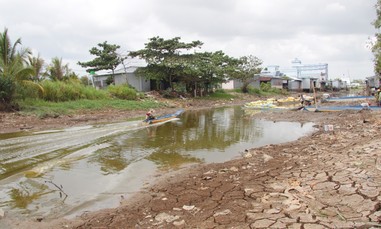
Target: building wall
<point x="228" y="85"/>
<point x="294" y="85"/>
<point x="306" y="84"/>
<point x="232" y="84"/>
<point x="138" y="82"/>
<point x="277" y="83"/>
<point x="255" y="84"/>
<point x="99" y="82"/>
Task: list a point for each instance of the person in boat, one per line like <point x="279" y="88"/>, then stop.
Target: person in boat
<point x="304" y="101"/>
<point x="149" y="115"/>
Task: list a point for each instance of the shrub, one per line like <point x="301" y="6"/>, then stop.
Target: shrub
<point x="59" y="91"/>
<point x="7" y="88"/>
<point x="122" y="92"/>
<point x="265" y="87"/>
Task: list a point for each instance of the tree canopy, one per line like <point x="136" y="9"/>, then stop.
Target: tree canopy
<point x="107" y="58"/>
<point x="207" y="70"/>
<point x="165" y="58"/>
<point x="247" y="68"/>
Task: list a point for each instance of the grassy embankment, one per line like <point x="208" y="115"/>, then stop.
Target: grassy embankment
<point x="66" y="98"/>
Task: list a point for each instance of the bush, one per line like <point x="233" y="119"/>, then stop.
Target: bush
<point x="122" y="92"/>
<point x="7" y="91"/>
<point x="7" y="88"/>
<point x="59" y="91"/>
<point x="168" y="93"/>
<point x="265" y="87"/>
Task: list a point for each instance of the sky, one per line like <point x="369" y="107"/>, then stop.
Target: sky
<point x="336" y="32"/>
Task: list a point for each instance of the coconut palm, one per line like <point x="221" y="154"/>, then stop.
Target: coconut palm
<point x="10" y="55"/>
<point x="37" y="63"/>
<point x="56" y="70"/>
<point x="14" y="69"/>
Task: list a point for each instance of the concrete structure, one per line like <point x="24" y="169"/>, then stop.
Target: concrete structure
<point x="373" y="81"/>
<point x="338" y="84"/>
<point x="231" y="84"/>
<point x="275" y="82"/>
<point x="306" y="76"/>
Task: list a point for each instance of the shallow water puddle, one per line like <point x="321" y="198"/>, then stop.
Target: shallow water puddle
<point x="65" y="172"/>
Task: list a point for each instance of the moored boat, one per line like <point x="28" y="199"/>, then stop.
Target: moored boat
<point x="348" y="98"/>
<point x="340" y="108"/>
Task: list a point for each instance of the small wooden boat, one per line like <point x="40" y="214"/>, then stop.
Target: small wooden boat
<point x="340" y="108"/>
<point x="164" y="118"/>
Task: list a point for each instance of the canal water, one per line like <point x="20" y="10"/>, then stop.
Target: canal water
<point x="66" y="172"/>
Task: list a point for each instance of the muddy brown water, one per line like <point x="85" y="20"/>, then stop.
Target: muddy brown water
<point x="66" y="172"/>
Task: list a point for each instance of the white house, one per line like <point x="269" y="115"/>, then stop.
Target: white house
<point x="124" y="76"/>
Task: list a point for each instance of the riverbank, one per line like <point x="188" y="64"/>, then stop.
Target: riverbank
<point x="17" y="121"/>
<point x="330" y="179"/>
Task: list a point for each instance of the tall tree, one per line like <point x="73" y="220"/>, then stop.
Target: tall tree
<point x="208" y="70"/>
<point x="165" y="58"/>
<point x="247" y="68"/>
<point x="376" y="48"/>
<point x="107" y="58"/>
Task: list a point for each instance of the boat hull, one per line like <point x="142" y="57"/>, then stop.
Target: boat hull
<point x="164" y="118"/>
<point x="341" y="108"/>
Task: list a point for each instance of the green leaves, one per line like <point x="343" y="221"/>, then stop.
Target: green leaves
<point x="14" y="69"/>
<point x="166" y="59"/>
<point x="107" y="58"/>
<point x="247" y="68"/>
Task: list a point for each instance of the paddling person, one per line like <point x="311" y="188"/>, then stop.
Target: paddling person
<point x="304" y="101"/>
<point x="149" y="115"/>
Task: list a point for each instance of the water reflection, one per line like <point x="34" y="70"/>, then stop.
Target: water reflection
<point x="95" y="163"/>
<point x="171" y="159"/>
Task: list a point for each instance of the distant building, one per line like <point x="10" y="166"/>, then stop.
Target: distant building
<point x="305" y="75"/>
<point x="123" y="76"/>
<point x="297" y="77"/>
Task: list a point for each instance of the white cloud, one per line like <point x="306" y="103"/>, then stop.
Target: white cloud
<point x="277" y="31"/>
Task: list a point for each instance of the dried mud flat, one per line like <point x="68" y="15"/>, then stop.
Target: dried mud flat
<point x="329" y="179"/>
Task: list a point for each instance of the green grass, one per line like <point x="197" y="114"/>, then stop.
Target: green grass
<point x="43" y="108"/>
<point x="219" y="94"/>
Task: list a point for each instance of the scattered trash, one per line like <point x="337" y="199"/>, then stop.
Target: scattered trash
<point x="328" y="128"/>
<point x="188" y="207"/>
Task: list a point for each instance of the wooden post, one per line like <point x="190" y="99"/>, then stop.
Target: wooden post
<point x="313" y="88"/>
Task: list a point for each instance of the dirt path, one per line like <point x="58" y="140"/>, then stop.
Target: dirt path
<point x="330" y="179"/>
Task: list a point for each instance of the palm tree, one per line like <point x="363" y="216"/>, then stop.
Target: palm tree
<point x="10" y="55"/>
<point x="56" y="70"/>
<point x="37" y="63"/>
<point x="14" y="69"/>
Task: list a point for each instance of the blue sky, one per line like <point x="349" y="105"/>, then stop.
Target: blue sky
<point x="337" y="32"/>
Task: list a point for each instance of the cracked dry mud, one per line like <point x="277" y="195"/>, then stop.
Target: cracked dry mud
<point x="325" y="180"/>
<point x="329" y="179"/>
